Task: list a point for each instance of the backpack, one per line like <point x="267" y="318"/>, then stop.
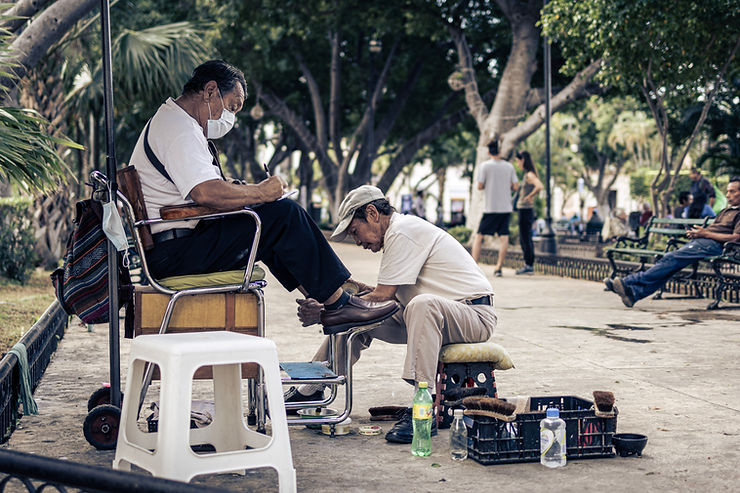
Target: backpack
<point x="82" y="284"/>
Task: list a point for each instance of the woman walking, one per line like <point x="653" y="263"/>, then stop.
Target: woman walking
<point x="528" y="190"/>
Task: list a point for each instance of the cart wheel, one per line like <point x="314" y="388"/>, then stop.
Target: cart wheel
<point x="101" y="427"/>
<point x="100" y="397"/>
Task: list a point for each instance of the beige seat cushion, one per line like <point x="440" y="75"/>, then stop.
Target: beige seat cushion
<point x="179" y="283"/>
<point x="477" y="352"/>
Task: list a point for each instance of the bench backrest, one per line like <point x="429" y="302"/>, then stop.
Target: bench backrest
<point x="130" y="186"/>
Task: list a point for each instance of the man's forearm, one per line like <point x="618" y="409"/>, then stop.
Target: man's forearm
<point x="381" y="293"/>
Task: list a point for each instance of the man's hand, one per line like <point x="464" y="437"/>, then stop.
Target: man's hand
<point x="272" y="188"/>
<point x="696" y="232"/>
<point x="309" y="311"/>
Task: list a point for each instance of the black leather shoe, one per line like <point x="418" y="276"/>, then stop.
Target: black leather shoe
<point x="403" y="431"/>
<point x="355" y="313"/>
<point x="292" y="395"/>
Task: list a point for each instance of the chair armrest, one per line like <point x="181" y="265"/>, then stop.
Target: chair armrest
<point x="732" y="250"/>
<point x="188" y="211"/>
<point x="633" y="242"/>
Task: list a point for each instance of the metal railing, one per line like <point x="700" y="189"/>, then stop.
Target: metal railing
<point x="41" y="341"/>
<point x="21" y="469"/>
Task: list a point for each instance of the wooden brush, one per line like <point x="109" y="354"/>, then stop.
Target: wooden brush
<point x="603" y="403"/>
<point x="481" y="405"/>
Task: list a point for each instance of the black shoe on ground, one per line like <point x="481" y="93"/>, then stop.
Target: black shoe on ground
<point x="498" y="273"/>
<point x="624" y="292"/>
<point x="527" y="269"/>
<point x="292" y="395"/>
<point x="403" y="431"/>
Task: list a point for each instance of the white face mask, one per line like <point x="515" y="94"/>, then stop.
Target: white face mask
<point x="113" y="227"/>
<point x="219" y="128"/>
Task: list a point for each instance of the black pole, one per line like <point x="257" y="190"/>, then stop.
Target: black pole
<point x="549" y="245"/>
<point x="110" y="169"/>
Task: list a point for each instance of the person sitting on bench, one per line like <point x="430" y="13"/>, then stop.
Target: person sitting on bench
<point x="176" y="165"/>
<point x="705" y="242"/>
<point x="444" y="295"/>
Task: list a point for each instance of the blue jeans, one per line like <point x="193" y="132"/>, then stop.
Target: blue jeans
<point x="647" y="282"/>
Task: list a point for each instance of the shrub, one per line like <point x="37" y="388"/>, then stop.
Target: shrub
<point x="17" y="257"/>
<point x="461" y="233"/>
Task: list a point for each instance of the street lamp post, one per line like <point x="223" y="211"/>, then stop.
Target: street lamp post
<point x="375" y="46"/>
<point x="548" y="245"/>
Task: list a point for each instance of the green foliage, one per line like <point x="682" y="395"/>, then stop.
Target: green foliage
<point x="16" y="238"/>
<point x="461" y="233"/>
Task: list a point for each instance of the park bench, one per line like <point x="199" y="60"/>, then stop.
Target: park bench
<point x="662" y="235"/>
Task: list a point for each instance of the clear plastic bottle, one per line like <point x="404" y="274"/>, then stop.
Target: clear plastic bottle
<point x="458" y="437"/>
<point x="421" y="410"/>
<point x="552" y="439"/>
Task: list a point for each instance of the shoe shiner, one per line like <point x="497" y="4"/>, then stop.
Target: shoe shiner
<point x="444" y="295"/>
<point x="705" y="242"/>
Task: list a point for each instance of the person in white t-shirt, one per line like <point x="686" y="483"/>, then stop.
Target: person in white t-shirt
<point x="445" y="297"/>
<point x="497" y="178"/>
<point x="178" y="165"/>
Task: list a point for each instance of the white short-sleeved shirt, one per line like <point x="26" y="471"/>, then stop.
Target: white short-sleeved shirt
<point x="178" y="142"/>
<point x="421" y="258"/>
<point x="497" y="176"/>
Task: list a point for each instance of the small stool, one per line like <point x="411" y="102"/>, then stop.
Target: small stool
<point x="467" y="365"/>
<point x="168" y="452"/>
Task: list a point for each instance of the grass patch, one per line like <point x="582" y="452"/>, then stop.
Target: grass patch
<point x="22" y="305"/>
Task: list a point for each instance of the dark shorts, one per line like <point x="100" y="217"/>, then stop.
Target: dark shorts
<point x="495" y="223"/>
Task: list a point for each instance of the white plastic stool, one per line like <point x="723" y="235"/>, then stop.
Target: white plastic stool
<point x="167" y="453"/>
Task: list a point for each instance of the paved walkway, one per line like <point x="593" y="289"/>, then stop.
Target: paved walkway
<point x="672" y="365"/>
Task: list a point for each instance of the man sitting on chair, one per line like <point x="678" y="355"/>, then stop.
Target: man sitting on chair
<point x="176" y="166"/>
<point x="445" y="296"/>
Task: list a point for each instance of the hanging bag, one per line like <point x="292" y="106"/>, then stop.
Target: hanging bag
<point x="81" y="285"/>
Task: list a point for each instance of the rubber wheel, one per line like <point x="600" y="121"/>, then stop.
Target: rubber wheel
<point x="101" y="427"/>
<point x="100" y="397"/>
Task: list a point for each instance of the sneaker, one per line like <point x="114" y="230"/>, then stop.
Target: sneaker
<point x="498" y="273"/>
<point x="292" y="395"/>
<point x="609" y="284"/>
<point x="624" y="292"/>
<point x="527" y="269"/>
<point x="403" y="431"/>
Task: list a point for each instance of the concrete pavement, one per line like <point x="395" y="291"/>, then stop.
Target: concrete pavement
<point x="672" y="365"/>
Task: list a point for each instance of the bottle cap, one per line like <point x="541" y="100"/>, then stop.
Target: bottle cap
<point x="553" y="412"/>
<point x="423" y="385"/>
<point x="458" y="413"/>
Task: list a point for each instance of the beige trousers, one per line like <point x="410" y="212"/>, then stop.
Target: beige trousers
<point x="426" y="324"/>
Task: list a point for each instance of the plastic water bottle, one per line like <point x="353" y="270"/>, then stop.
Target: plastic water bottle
<point x="421" y="411"/>
<point x="552" y="439"/>
<point x="458" y="437"/>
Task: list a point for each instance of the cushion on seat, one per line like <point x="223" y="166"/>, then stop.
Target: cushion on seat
<point x="179" y="283"/>
<point x="477" y="352"/>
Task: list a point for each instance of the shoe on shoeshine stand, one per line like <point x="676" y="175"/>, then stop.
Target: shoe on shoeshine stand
<point x="403" y="431"/>
<point x="356" y="312"/>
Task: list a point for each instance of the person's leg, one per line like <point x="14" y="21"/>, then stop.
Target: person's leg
<point x="526" y="217"/>
<point x="477" y="242"/>
<point x="503" y="247"/>
<point x="642" y="284"/>
<point x="431" y="322"/>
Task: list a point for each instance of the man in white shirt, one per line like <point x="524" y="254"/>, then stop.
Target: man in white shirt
<point x="177" y="165"/>
<point x="498" y="178"/>
<point x="445" y="296"/>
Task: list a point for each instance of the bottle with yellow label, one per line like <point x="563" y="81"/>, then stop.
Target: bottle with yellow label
<point x="422" y="414"/>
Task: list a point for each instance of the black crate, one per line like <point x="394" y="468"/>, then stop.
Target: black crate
<point x="493" y="441"/>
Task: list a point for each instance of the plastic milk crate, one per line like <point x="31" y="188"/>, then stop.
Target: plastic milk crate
<point x="494" y="441"/>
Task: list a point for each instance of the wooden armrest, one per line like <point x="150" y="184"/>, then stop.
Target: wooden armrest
<point x="188" y="210"/>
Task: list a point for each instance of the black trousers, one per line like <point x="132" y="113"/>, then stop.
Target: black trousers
<point x="526" y="218"/>
<point x="291" y="245"/>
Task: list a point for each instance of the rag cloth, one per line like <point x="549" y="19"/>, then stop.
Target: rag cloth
<point x="26" y="395"/>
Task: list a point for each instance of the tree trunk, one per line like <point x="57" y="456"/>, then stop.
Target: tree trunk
<point x="23" y="9"/>
<point x="42" y="33"/>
